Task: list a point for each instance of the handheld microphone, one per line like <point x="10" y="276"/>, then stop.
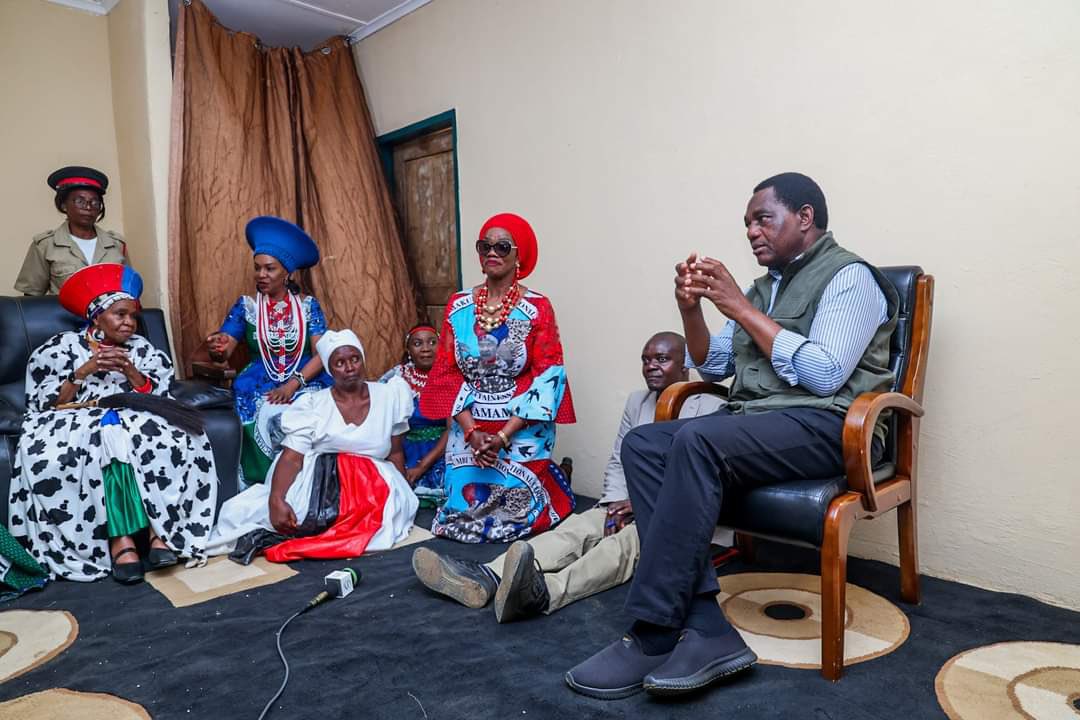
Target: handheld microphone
<point x="339" y="583"/>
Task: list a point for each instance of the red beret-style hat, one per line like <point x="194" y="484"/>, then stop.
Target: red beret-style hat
<point x="79" y="291"/>
<point x="523" y="236"/>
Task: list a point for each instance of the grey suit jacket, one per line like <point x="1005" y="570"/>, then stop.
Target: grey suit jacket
<point x="640" y="410"/>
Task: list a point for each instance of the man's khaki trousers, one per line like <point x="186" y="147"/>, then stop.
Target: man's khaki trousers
<point x="578" y="561"/>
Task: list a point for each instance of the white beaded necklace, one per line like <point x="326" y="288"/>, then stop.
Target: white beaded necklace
<point x="280" y="341"/>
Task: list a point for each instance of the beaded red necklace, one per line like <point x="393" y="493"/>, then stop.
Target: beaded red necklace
<point x="489" y="317"/>
<point x="416" y="378"/>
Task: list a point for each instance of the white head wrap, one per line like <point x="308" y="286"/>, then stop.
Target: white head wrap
<point x="332" y="340"/>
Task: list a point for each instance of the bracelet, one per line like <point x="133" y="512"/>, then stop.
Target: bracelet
<point x="505" y="440"/>
<point x="75" y="379"/>
<point x="469" y="432"/>
<point x="300" y="376"/>
<point x="145" y="387"/>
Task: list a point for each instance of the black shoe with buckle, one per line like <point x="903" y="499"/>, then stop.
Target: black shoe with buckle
<point x="468" y="582"/>
<point x="127" y="573"/>
<point x="698" y="661"/>
<point x="522" y="591"/>
<point x="616" y="671"/>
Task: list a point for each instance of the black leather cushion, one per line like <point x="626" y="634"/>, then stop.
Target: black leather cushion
<point x="794" y="511"/>
<point x="10" y="419"/>
<point x="224" y="430"/>
<point x="7" y="467"/>
<point x="903" y="278"/>
<point x="201" y="395"/>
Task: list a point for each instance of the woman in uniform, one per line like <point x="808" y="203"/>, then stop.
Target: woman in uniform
<point x="55" y="255"/>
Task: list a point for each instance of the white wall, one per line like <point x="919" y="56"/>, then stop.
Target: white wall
<point x="945" y="134"/>
<point x="85" y="89"/>
<point x="141" y="69"/>
<point x="55" y="110"/>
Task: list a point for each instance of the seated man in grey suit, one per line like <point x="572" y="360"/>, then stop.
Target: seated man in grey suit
<point x="589" y="552"/>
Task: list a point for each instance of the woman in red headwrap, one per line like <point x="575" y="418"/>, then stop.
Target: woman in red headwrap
<point x="499" y="374"/>
<point x="89" y="478"/>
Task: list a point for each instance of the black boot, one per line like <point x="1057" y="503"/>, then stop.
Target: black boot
<point x="522" y="591"/>
<point x="468" y="582"/>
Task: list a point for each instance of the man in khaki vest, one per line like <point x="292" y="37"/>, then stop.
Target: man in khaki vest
<point x="55" y="255"/>
<point x="800" y="344"/>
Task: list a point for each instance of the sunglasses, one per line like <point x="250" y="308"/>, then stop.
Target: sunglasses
<point x="502" y="248"/>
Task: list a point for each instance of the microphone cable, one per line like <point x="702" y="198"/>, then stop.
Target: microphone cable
<point x="284" y="662"/>
<point x="339" y="584"/>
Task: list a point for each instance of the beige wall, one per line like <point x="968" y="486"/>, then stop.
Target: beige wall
<point x="141" y="81"/>
<point x="943" y="134"/>
<point x="55" y="109"/>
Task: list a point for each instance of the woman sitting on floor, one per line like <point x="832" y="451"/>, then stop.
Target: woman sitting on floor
<point x="339" y="475"/>
<point x="499" y="374"/>
<point x="280" y="327"/>
<point x="88" y="478"/>
<point x="425" y="443"/>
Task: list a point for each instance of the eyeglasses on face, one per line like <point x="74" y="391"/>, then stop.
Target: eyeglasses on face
<point x="502" y="248"/>
<point x="84" y="204"/>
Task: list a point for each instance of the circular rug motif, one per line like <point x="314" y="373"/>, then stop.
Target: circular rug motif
<point x="60" y="703"/>
<point x="1012" y="680"/>
<point x="779" y="616"/>
<point x="29" y="638"/>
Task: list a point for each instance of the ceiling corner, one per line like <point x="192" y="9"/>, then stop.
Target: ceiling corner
<point x="94" y="7"/>
<point x="395" y="13"/>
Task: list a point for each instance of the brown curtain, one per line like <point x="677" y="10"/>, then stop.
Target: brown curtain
<point x="278" y="132"/>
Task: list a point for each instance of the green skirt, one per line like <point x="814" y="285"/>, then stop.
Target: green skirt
<point x="124" y="512"/>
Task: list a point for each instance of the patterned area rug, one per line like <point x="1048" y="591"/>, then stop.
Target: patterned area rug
<point x="60" y="704"/>
<point x="779" y="616"/>
<point x="30" y="638"/>
<point x="1012" y="680"/>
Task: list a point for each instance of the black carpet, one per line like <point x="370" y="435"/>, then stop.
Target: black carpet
<point x="393" y="650"/>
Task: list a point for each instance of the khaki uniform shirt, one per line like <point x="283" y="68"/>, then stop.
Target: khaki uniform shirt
<point x="53" y="257"/>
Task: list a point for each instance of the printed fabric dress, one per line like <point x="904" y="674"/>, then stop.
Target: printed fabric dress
<point x="347" y="496"/>
<point x="423" y="435"/>
<point x="273" y="352"/>
<point x="85" y="475"/>
<point x="516" y="369"/>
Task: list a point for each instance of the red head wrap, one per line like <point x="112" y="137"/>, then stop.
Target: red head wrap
<point x="79" y="292"/>
<point x="523" y="236"/>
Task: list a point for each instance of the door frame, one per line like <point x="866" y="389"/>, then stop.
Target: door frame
<point x="386" y="143"/>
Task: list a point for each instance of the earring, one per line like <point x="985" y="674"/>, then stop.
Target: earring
<point x="517" y="271"/>
<point x="96" y="334"/>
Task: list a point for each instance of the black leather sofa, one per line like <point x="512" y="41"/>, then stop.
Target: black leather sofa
<point x="27" y="322"/>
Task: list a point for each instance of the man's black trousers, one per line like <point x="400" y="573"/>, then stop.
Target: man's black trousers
<point x="678" y="474"/>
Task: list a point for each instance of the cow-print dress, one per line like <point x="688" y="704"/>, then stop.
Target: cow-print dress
<point x="58" y="497"/>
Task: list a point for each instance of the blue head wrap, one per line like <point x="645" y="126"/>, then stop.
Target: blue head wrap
<point x="280" y="239"/>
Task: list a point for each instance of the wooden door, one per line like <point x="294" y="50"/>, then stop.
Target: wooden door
<point x="427" y="200"/>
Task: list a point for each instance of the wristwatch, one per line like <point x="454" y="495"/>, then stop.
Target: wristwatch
<point x="75" y="379"/>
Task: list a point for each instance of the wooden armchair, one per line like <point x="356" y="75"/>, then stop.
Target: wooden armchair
<point x="821" y="513"/>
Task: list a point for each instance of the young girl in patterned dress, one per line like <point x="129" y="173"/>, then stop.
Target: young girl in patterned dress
<point x="425" y="443"/>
